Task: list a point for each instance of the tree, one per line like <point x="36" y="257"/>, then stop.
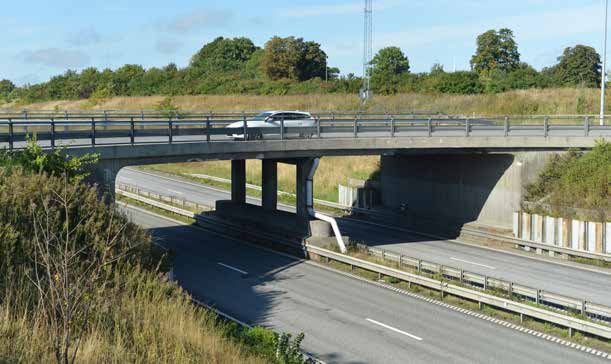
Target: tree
<point x="294" y="59"/>
<point x="496" y="50"/>
<point x="389" y="64"/>
<point x="579" y="65"/>
<point x="6" y="87"/>
<point x="223" y="54"/>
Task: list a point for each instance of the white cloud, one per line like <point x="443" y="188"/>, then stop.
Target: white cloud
<point x="56" y="57"/>
<point x="167" y="46"/>
<point x="85" y="37"/>
<point x="198" y="19"/>
<point x="335" y="9"/>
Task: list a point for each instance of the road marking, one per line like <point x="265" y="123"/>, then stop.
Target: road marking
<point x="176" y="192"/>
<point x="468" y="262"/>
<point x="395" y="330"/>
<point x="232" y="268"/>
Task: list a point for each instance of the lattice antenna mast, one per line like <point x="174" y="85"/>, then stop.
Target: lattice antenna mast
<point x="367" y="49"/>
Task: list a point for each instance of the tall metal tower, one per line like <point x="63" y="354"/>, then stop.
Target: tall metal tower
<point x="367" y="50"/>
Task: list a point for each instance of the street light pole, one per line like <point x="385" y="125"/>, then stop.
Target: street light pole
<point x="603" y="82"/>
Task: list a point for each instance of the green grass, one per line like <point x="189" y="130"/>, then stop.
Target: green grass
<point x="331" y="172"/>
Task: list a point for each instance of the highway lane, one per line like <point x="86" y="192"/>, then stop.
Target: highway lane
<point x="345" y="320"/>
<point x="562" y="279"/>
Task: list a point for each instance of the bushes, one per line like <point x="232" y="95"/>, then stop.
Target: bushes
<point x="577" y="180"/>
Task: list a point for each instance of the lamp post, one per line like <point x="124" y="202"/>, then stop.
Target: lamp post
<point x="604" y="71"/>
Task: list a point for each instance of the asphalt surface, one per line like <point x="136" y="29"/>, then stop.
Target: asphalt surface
<point x="562" y="279"/>
<point x="345" y="320"/>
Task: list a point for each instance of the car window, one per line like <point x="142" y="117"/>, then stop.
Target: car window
<point x="262" y="116"/>
<point x="280" y="116"/>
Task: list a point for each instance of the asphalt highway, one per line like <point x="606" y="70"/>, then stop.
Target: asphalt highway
<point x="345" y="320"/>
<point x="590" y="285"/>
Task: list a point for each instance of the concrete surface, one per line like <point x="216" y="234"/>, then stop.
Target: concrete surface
<point x="344" y="320"/>
<point x="562" y="279"/>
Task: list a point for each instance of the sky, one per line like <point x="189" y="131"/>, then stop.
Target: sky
<point x="39" y="39"/>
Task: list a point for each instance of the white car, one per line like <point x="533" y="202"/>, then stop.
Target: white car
<point x="273" y="119"/>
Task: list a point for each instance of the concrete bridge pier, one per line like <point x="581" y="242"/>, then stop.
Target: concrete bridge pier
<point x="269" y="184"/>
<point x="238" y="181"/>
<point x="104" y="174"/>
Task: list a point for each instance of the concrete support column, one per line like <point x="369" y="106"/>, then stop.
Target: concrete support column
<point x="238" y="181"/>
<point x="304" y="199"/>
<point x="269" y="184"/>
<point x="103" y="174"/>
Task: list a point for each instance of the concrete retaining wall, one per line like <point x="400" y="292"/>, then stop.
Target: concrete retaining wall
<point x="587" y="236"/>
<point x="480" y="187"/>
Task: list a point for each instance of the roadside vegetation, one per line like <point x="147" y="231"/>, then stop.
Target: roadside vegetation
<point x="331" y="172"/>
<point x="294" y="66"/>
<point x="576" y="184"/>
<point x="80" y="283"/>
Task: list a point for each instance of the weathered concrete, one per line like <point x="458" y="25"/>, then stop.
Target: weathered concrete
<point x="238" y="181"/>
<point x="481" y="187"/>
<point x="269" y="184"/>
<point x="304" y="200"/>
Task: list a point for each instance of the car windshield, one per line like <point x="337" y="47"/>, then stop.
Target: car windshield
<point x="262" y="116"/>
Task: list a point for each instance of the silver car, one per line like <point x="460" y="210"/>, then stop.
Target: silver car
<point x="273" y="119"/>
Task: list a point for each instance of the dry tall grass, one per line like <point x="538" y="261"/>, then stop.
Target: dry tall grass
<point x="149" y="322"/>
<point x="331" y="172"/>
<point x="533" y="101"/>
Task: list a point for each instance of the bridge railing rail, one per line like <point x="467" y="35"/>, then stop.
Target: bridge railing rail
<point x="92" y="130"/>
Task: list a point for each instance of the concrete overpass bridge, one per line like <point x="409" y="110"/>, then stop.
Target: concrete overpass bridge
<point x="461" y="168"/>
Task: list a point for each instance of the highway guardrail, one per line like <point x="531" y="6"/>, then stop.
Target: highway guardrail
<point x="91" y="130"/>
<point x="543" y="314"/>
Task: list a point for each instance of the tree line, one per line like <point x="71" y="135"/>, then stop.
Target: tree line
<point x="291" y="65"/>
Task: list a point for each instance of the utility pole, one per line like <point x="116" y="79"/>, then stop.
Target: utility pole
<point x="367" y="50"/>
<point x="603" y="83"/>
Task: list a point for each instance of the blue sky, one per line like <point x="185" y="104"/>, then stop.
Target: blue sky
<point x="39" y="39"/>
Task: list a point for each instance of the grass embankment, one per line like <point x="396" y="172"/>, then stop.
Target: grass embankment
<point x="533" y="101"/>
<point x="576" y="184"/>
<point x="331" y="172"/>
<point x="79" y="282"/>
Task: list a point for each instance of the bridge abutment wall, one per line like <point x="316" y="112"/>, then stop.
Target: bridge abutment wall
<point x="461" y="188"/>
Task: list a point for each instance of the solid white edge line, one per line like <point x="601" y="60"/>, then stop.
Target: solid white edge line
<point x="174" y="191"/>
<point x="309" y="262"/>
<point x="394" y="329"/>
<point x="232" y="268"/>
<point x="449" y="240"/>
<point x="468" y="262"/>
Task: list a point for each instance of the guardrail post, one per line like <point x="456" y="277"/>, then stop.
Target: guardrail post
<point x="419" y="266"/>
<point x="318" y="127"/>
<point x="141" y="114"/>
<point x="52" y="133"/>
<point x="105" y="116"/>
<point x="383" y="255"/>
<point x="208" y="128"/>
<point x="11" y="136"/>
<point x="510" y="289"/>
<point x="282" y="128"/>
<point x="392" y="126"/>
<point x="485" y="283"/>
<point x="462" y="276"/>
<point x="66" y="114"/>
<point x="583" y="308"/>
<point x="170" y="135"/>
<point x="355" y="127"/>
<point x="586" y="126"/>
<point x="93" y="132"/>
<point x="545" y="126"/>
<point x="506" y="126"/>
<point x="25" y="114"/>
<point x="429" y="127"/>
<point x="132" y="131"/>
<point x="467" y="127"/>
<point x="538" y="297"/>
<point x="400" y="260"/>
<point x="245" y="126"/>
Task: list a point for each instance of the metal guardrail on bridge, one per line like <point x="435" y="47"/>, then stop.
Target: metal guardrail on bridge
<point x="93" y="130"/>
